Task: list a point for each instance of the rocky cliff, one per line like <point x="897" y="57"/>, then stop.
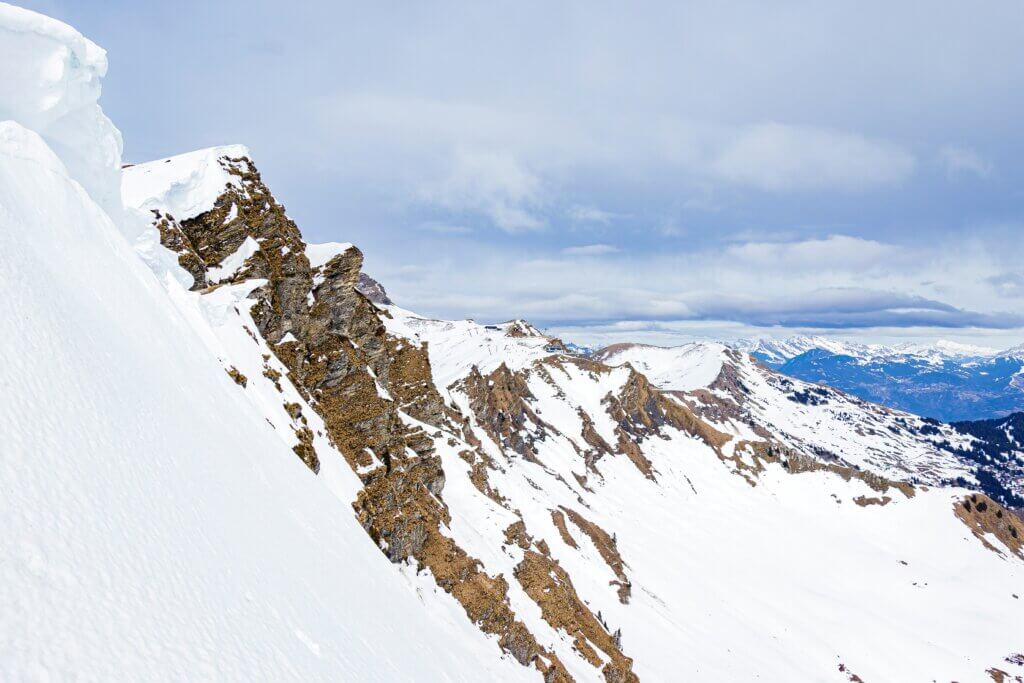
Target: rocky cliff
<point x="568" y="506"/>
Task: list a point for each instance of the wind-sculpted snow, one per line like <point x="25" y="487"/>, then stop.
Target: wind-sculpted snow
<point x="50" y="83"/>
<point x="183" y="186"/>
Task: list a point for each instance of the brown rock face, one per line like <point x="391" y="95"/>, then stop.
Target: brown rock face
<point x="641" y="410"/>
<point x="500" y="403"/>
<point x="340" y="357"/>
<point x="173" y="237"/>
<point x="985" y="516"/>
<point x="607" y="545"/>
<point x="549" y="586"/>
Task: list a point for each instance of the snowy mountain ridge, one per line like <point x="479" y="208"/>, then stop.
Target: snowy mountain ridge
<point x="224" y="448"/>
<point x="838" y="427"/>
<point x="540" y="450"/>
<point x="778" y="351"/>
<point x="947" y="381"/>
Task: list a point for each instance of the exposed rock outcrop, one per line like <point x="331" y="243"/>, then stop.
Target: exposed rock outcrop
<point x="323" y="323"/>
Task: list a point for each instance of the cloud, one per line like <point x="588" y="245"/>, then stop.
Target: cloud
<point x="832" y="252"/>
<point x="1008" y="285"/>
<point x="590" y="250"/>
<point x="960" y="160"/>
<point x="838" y="282"/>
<point x="782" y="158"/>
<point x="589" y="214"/>
<point x="492" y="183"/>
<point x="853" y="307"/>
<point x="724" y="146"/>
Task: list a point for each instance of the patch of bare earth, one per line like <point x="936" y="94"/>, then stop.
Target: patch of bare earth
<point x="607" y="546"/>
<point x="988" y="519"/>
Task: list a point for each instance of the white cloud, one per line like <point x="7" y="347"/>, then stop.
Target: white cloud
<point x="492" y="183"/>
<point x="781" y="158"/>
<point x="960" y="160"/>
<point x="839" y="252"/>
<point x="500" y="161"/>
<point x="589" y="214"/>
<point x="590" y="250"/>
<point x="1008" y="285"/>
<point x="835" y="282"/>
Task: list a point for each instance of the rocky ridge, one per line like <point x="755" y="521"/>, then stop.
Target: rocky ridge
<point x="527" y="442"/>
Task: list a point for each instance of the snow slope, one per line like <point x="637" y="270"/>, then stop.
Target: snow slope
<point x="785" y="579"/>
<point x="734" y="582"/>
<point x="183" y="186"/>
<point x="679" y="367"/>
<point x="821" y="420"/>
<point x="458" y="345"/>
<point x="155" y="527"/>
<point x="159" y="526"/>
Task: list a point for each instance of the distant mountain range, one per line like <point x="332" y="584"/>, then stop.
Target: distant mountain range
<point x="947" y="381"/>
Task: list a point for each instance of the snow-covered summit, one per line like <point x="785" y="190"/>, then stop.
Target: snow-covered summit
<point x="781" y="350"/>
<point x="1013" y="352"/>
<point x="778" y="351"/>
<point x="686" y="367"/>
<point x="184" y="185"/>
<point x="459" y="345"/>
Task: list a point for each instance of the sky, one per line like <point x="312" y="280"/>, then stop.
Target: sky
<point x="648" y="171"/>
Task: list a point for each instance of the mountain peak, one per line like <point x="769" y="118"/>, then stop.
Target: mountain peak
<point x="184" y="185"/>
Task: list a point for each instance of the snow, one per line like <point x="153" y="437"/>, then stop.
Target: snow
<point x="733" y="582"/>
<point x="455" y="346"/>
<point x="781" y="350"/>
<point x="320" y="255"/>
<point x="685" y="368"/>
<point x="158" y="526"/>
<point x="155" y="526"/>
<point x="233" y="262"/>
<point x="50" y="83"/>
<point x="778" y="351"/>
<point x="888" y="442"/>
<point x="1014" y="352"/>
<point x="183" y="186"/>
<point x="957" y="349"/>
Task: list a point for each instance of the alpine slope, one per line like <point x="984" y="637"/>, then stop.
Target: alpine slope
<point x="229" y="455"/>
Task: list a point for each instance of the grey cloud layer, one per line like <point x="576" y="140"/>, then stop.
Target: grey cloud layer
<point x="831" y="164"/>
<point x="834" y="282"/>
